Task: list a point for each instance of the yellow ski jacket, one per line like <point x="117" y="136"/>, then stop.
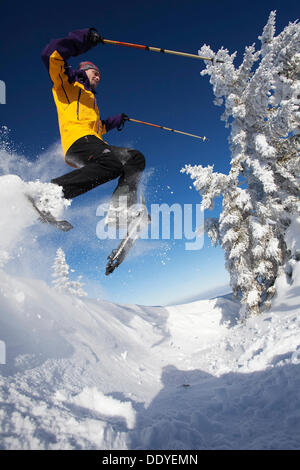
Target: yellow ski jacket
<point x="78" y="113"/>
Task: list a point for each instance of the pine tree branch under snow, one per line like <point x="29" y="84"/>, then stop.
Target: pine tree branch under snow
<point x="262" y="109"/>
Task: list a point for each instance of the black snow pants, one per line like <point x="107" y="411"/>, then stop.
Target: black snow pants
<point x="98" y="163"/>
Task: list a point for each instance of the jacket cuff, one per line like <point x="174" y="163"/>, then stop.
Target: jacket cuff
<point x="112" y="122"/>
<point x="74" y="44"/>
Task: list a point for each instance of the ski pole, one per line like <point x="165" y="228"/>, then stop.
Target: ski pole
<point x="158" y="49"/>
<point x="167" y="129"/>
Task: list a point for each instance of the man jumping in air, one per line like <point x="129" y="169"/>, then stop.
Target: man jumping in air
<point x="81" y="127"/>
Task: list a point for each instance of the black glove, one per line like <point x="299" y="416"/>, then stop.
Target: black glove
<point x="124" y="118"/>
<point x="94" y="37"/>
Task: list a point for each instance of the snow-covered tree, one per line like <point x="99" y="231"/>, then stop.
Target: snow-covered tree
<point x="61" y="281"/>
<point x="261" y="192"/>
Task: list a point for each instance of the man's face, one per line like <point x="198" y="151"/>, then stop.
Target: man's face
<point x="94" y="78"/>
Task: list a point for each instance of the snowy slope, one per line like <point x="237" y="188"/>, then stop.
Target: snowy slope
<point x="87" y="374"/>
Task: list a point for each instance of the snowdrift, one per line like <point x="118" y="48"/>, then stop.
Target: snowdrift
<point x="17" y="215"/>
<point x="84" y="374"/>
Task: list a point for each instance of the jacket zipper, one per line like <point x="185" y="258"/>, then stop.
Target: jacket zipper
<point x="98" y="117"/>
<point x="62" y="85"/>
<point x="78" y="103"/>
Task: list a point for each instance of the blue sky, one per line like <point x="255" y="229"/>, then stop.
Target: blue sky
<point x="153" y="87"/>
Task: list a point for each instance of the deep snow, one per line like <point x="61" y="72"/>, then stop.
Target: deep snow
<point x="88" y="374"/>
